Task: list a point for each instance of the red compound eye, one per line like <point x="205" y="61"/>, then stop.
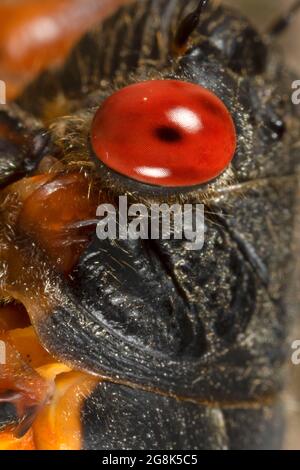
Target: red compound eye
<point x="164" y="133"/>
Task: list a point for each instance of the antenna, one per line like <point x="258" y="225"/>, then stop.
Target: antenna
<point x="283" y="22"/>
<point x="187" y="27"/>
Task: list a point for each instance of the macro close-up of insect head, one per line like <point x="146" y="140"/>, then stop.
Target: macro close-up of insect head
<point x="149" y="227"/>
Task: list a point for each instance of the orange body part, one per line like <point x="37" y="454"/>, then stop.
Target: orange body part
<point x="13" y="316"/>
<point x="35" y="34"/>
<point x="9" y="442"/>
<point x="39" y="381"/>
<point x="47" y="207"/>
<point x="57" y="427"/>
<point x="49" y="214"/>
<point x="21" y="386"/>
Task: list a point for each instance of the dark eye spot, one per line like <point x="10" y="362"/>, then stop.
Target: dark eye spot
<point x="168" y="134"/>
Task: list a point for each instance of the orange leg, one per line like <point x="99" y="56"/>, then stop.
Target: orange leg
<point x="35" y="34"/>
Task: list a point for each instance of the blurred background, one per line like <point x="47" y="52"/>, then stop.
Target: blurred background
<point x="262" y="12"/>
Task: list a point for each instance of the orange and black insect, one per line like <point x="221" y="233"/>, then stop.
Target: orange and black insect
<point x="145" y="344"/>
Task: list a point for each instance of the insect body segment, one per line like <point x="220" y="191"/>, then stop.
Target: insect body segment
<point x="197" y="336"/>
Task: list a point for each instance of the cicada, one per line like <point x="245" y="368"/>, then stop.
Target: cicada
<point x="143" y="343"/>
